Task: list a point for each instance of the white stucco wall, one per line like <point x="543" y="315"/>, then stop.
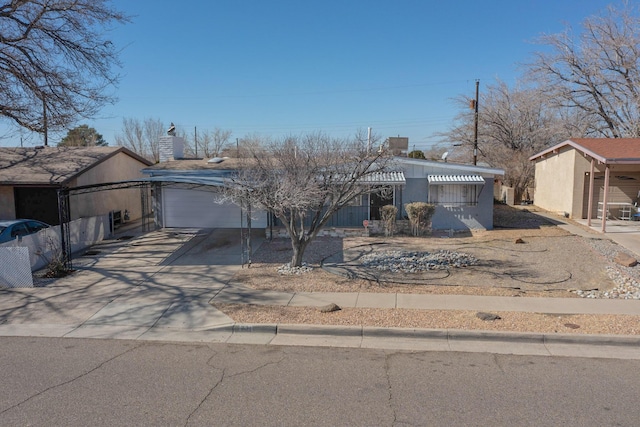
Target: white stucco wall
<point x="44" y="246"/>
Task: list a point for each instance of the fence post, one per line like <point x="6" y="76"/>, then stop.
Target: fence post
<point x="64" y="215"/>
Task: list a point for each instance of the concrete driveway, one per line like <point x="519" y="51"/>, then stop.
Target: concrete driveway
<point x="156" y="285"/>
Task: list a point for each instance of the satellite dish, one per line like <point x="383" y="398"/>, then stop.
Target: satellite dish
<point x="445" y="155"/>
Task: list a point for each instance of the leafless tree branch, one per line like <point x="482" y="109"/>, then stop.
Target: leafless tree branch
<point x="304" y="180"/>
<point x="55" y="54"/>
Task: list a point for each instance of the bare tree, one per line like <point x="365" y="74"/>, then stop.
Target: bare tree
<point x="212" y="143"/>
<point x="368" y="138"/>
<point x="56" y="61"/>
<point x="596" y="71"/>
<point x="434" y="152"/>
<point x="513" y="124"/>
<point x="141" y="136"/>
<point x="304" y="180"/>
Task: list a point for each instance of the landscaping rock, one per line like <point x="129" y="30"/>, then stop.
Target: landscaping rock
<point x="400" y="261"/>
<point x="286" y="269"/>
<point x="625" y="260"/>
<point x="519" y="240"/>
<point x="487" y="316"/>
<point x="329" y="308"/>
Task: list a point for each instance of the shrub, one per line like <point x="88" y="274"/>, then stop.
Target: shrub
<point x="419" y="214"/>
<point x="388" y="216"/>
<point x="56" y="266"/>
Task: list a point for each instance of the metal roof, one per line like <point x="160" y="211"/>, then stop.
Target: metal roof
<point x="455" y="179"/>
<point x="454" y="167"/>
<point x="384" y="178"/>
<point x="380" y="178"/>
<point x="188" y="179"/>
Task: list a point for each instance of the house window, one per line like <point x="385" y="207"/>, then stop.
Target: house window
<point x="454" y="195"/>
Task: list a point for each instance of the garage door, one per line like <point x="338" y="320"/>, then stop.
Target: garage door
<point x="198" y="209"/>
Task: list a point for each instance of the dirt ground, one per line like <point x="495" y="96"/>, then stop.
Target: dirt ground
<point x="525" y="255"/>
<point x="549" y="262"/>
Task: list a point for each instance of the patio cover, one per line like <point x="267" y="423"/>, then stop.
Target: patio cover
<point x="384" y="178"/>
<point x="455" y="179"/>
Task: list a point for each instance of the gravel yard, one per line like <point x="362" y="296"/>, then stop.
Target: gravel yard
<point x="437" y="319"/>
<point x="525" y="255"/>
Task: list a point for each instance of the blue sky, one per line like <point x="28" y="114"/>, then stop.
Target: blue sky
<point x="288" y="67"/>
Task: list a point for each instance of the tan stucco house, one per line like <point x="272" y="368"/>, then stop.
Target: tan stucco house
<point x="30" y="178"/>
<point x="580" y="176"/>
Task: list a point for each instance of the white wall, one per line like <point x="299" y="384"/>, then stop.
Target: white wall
<point x="45" y="245"/>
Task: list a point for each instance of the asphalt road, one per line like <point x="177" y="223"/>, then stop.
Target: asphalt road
<point x="80" y="382"/>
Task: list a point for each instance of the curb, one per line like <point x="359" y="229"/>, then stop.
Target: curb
<point x="258" y="328"/>
<point x="613" y="340"/>
<point x="337" y="330"/>
<point x="451" y="336"/>
<point x="448" y="334"/>
<point x="519" y="337"/>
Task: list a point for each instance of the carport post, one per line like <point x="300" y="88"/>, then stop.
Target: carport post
<point x="605" y="210"/>
<point x="591" y="181"/>
<point x="65" y="235"/>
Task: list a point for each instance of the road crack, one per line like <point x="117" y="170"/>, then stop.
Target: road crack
<point x="223" y="377"/>
<point x="206" y="397"/>
<point x="387" y="368"/>
<point x="496" y="361"/>
<point x="53" y="387"/>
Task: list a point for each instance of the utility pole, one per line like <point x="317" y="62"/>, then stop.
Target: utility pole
<point x="44" y="122"/>
<point x="475" y="130"/>
<point x="195" y="139"/>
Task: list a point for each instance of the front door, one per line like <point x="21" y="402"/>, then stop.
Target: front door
<point x="377" y="201"/>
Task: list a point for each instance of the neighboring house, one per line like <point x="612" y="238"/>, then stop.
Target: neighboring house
<point x="578" y="177"/>
<point x="31" y="177"/>
<point x="184" y="193"/>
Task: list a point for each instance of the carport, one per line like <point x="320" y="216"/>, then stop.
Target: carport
<point x="234" y="215"/>
<point x="589" y="178"/>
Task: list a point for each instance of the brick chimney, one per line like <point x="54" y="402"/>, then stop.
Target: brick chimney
<point x="171" y="148"/>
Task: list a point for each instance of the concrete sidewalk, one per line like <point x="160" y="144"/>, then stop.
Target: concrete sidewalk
<point x="624" y="233"/>
<point x="158" y="286"/>
<point x="237" y="295"/>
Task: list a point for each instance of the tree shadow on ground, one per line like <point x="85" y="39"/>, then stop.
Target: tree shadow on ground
<point x="524" y="217"/>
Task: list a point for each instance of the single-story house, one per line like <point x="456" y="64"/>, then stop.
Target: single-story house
<point x="30" y="178"/>
<point x="463" y="194"/>
<point x="580" y="176"/>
